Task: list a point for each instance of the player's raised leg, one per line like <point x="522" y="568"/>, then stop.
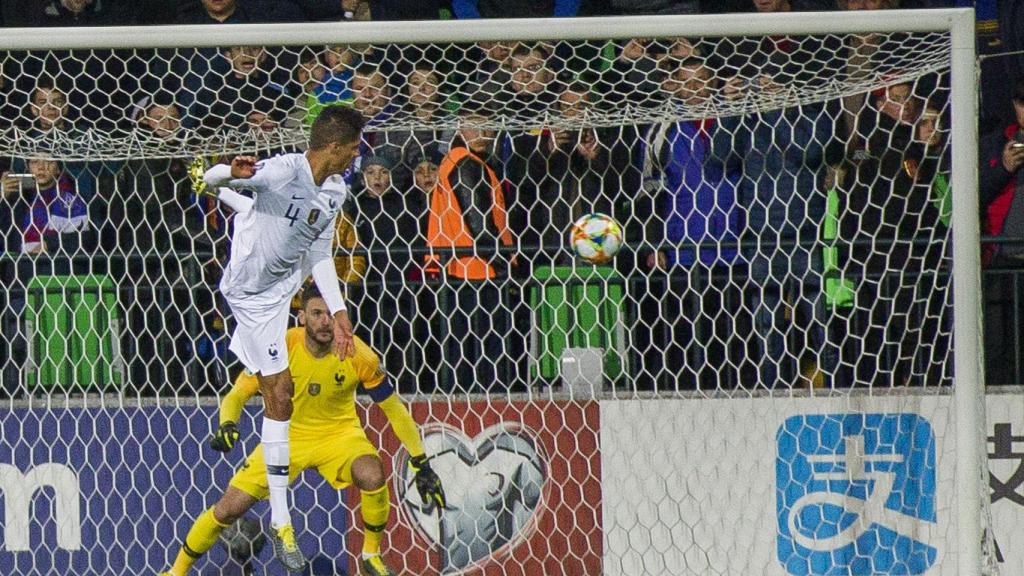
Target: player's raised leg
<point x="204" y="532"/>
<point x="277" y="412"/>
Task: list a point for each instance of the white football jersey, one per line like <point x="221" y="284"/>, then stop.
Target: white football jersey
<point x="290" y="228"/>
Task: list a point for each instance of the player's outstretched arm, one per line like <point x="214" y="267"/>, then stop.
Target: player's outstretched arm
<point x="375" y="382"/>
<point x="243" y="172"/>
<point x="226" y="435"/>
<point x="402" y="424"/>
<point x="326" y="277"/>
<point x="200" y="187"/>
<point x="428" y="484"/>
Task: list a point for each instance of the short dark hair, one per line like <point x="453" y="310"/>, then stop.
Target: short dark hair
<point x="46" y="83"/>
<point x="335" y="124"/>
<point x="310" y="292"/>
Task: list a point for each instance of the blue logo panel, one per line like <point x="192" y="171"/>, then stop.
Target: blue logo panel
<point x="143" y="475"/>
<point x="855" y="494"/>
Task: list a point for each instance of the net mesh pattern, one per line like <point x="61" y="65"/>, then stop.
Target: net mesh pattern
<point x="101" y="107"/>
<point x="785" y="203"/>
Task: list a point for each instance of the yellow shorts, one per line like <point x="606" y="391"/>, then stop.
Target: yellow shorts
<point x="332" y="456"/>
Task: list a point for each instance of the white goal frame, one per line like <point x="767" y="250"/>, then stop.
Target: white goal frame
<point x="959" y="23"/>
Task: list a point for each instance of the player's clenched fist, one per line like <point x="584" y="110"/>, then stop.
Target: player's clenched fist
<point x="225" y="438"/>
<point x="428" y="484"/>
<point x="243" y="167"/>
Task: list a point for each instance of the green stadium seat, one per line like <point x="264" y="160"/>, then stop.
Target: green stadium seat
<point x="577" y="307"/>
<point x="73" y="329"/>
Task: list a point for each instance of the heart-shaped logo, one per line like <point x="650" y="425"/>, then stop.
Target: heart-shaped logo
<point x="494" y="484"/>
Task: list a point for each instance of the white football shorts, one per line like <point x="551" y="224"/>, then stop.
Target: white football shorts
<point x="259" y="336"/>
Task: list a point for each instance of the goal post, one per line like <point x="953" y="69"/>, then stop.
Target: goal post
<point x="776" y="346"/>
<point x="969" y="395"/>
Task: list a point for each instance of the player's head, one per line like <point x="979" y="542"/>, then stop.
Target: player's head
<point x="898" y="102"/>
<point x="335" y="136"/>
<point x="315" y="316"/>
<point x="311" y="70"/>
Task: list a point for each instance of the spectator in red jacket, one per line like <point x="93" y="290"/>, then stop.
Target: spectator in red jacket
<point x="1001" y="185"/>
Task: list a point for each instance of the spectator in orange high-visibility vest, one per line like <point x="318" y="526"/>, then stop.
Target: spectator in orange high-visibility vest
<point x="467" y="210"/>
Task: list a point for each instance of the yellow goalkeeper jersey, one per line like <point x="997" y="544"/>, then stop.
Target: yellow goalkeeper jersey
<point x="325" y="388"/>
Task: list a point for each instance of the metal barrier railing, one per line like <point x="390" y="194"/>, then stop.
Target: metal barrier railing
<point x="193" y="357"/>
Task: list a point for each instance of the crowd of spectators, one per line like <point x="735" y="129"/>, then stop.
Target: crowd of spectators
<point x="726" y="216"/>
<point x="154" y="12"/>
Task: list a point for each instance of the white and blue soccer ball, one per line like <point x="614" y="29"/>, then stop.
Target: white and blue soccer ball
<point x="596" y="238"/>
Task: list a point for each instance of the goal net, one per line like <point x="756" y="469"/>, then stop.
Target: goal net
<point x="761" y="381"/>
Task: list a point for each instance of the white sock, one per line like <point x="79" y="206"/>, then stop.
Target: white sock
<point x="276" y="453"/>
<point x="368" y="556"/>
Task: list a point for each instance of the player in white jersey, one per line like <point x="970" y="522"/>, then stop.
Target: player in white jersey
<point x="286" y="235"/>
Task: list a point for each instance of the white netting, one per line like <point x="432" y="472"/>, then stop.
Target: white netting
<point x="758" y="383"/>
<point x="105" y="105"/>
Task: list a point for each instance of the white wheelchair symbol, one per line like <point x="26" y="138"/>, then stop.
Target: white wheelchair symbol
<point x="858" y="466"/>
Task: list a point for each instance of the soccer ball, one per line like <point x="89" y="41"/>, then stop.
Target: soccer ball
<point x="244" y="539"/>
<point x="596" y="238"/>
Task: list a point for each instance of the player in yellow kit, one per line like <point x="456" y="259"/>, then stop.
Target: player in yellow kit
<point x="325" y="434"/>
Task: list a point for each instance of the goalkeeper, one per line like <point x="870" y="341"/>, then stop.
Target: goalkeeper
<point x="325" y="434"/>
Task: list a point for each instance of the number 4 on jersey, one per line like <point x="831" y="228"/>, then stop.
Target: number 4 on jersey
<point x="292" y="214"/>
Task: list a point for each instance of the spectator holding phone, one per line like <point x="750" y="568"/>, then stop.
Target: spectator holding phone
<point x="58" y="216"/>
<point x="1001" y="185"/>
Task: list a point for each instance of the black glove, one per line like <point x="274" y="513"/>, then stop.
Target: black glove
<point x="223" y="440"/>
<point x="427" y="482"/>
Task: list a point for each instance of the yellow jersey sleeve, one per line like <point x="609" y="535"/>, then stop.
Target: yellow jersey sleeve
<point x="294" y="337"/>
<point x="370" y="371"/>
<point x="246" y="386"/>
<point x="402" y="424"/>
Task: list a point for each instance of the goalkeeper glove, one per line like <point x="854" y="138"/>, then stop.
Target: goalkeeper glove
<point x="196" y="170"/>
<point x="428" y="484"/>
<point x="223" y="440"/>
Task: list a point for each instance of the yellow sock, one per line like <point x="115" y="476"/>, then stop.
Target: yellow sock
<point x="200" y="538"/>
<point x="375" y="506"/>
